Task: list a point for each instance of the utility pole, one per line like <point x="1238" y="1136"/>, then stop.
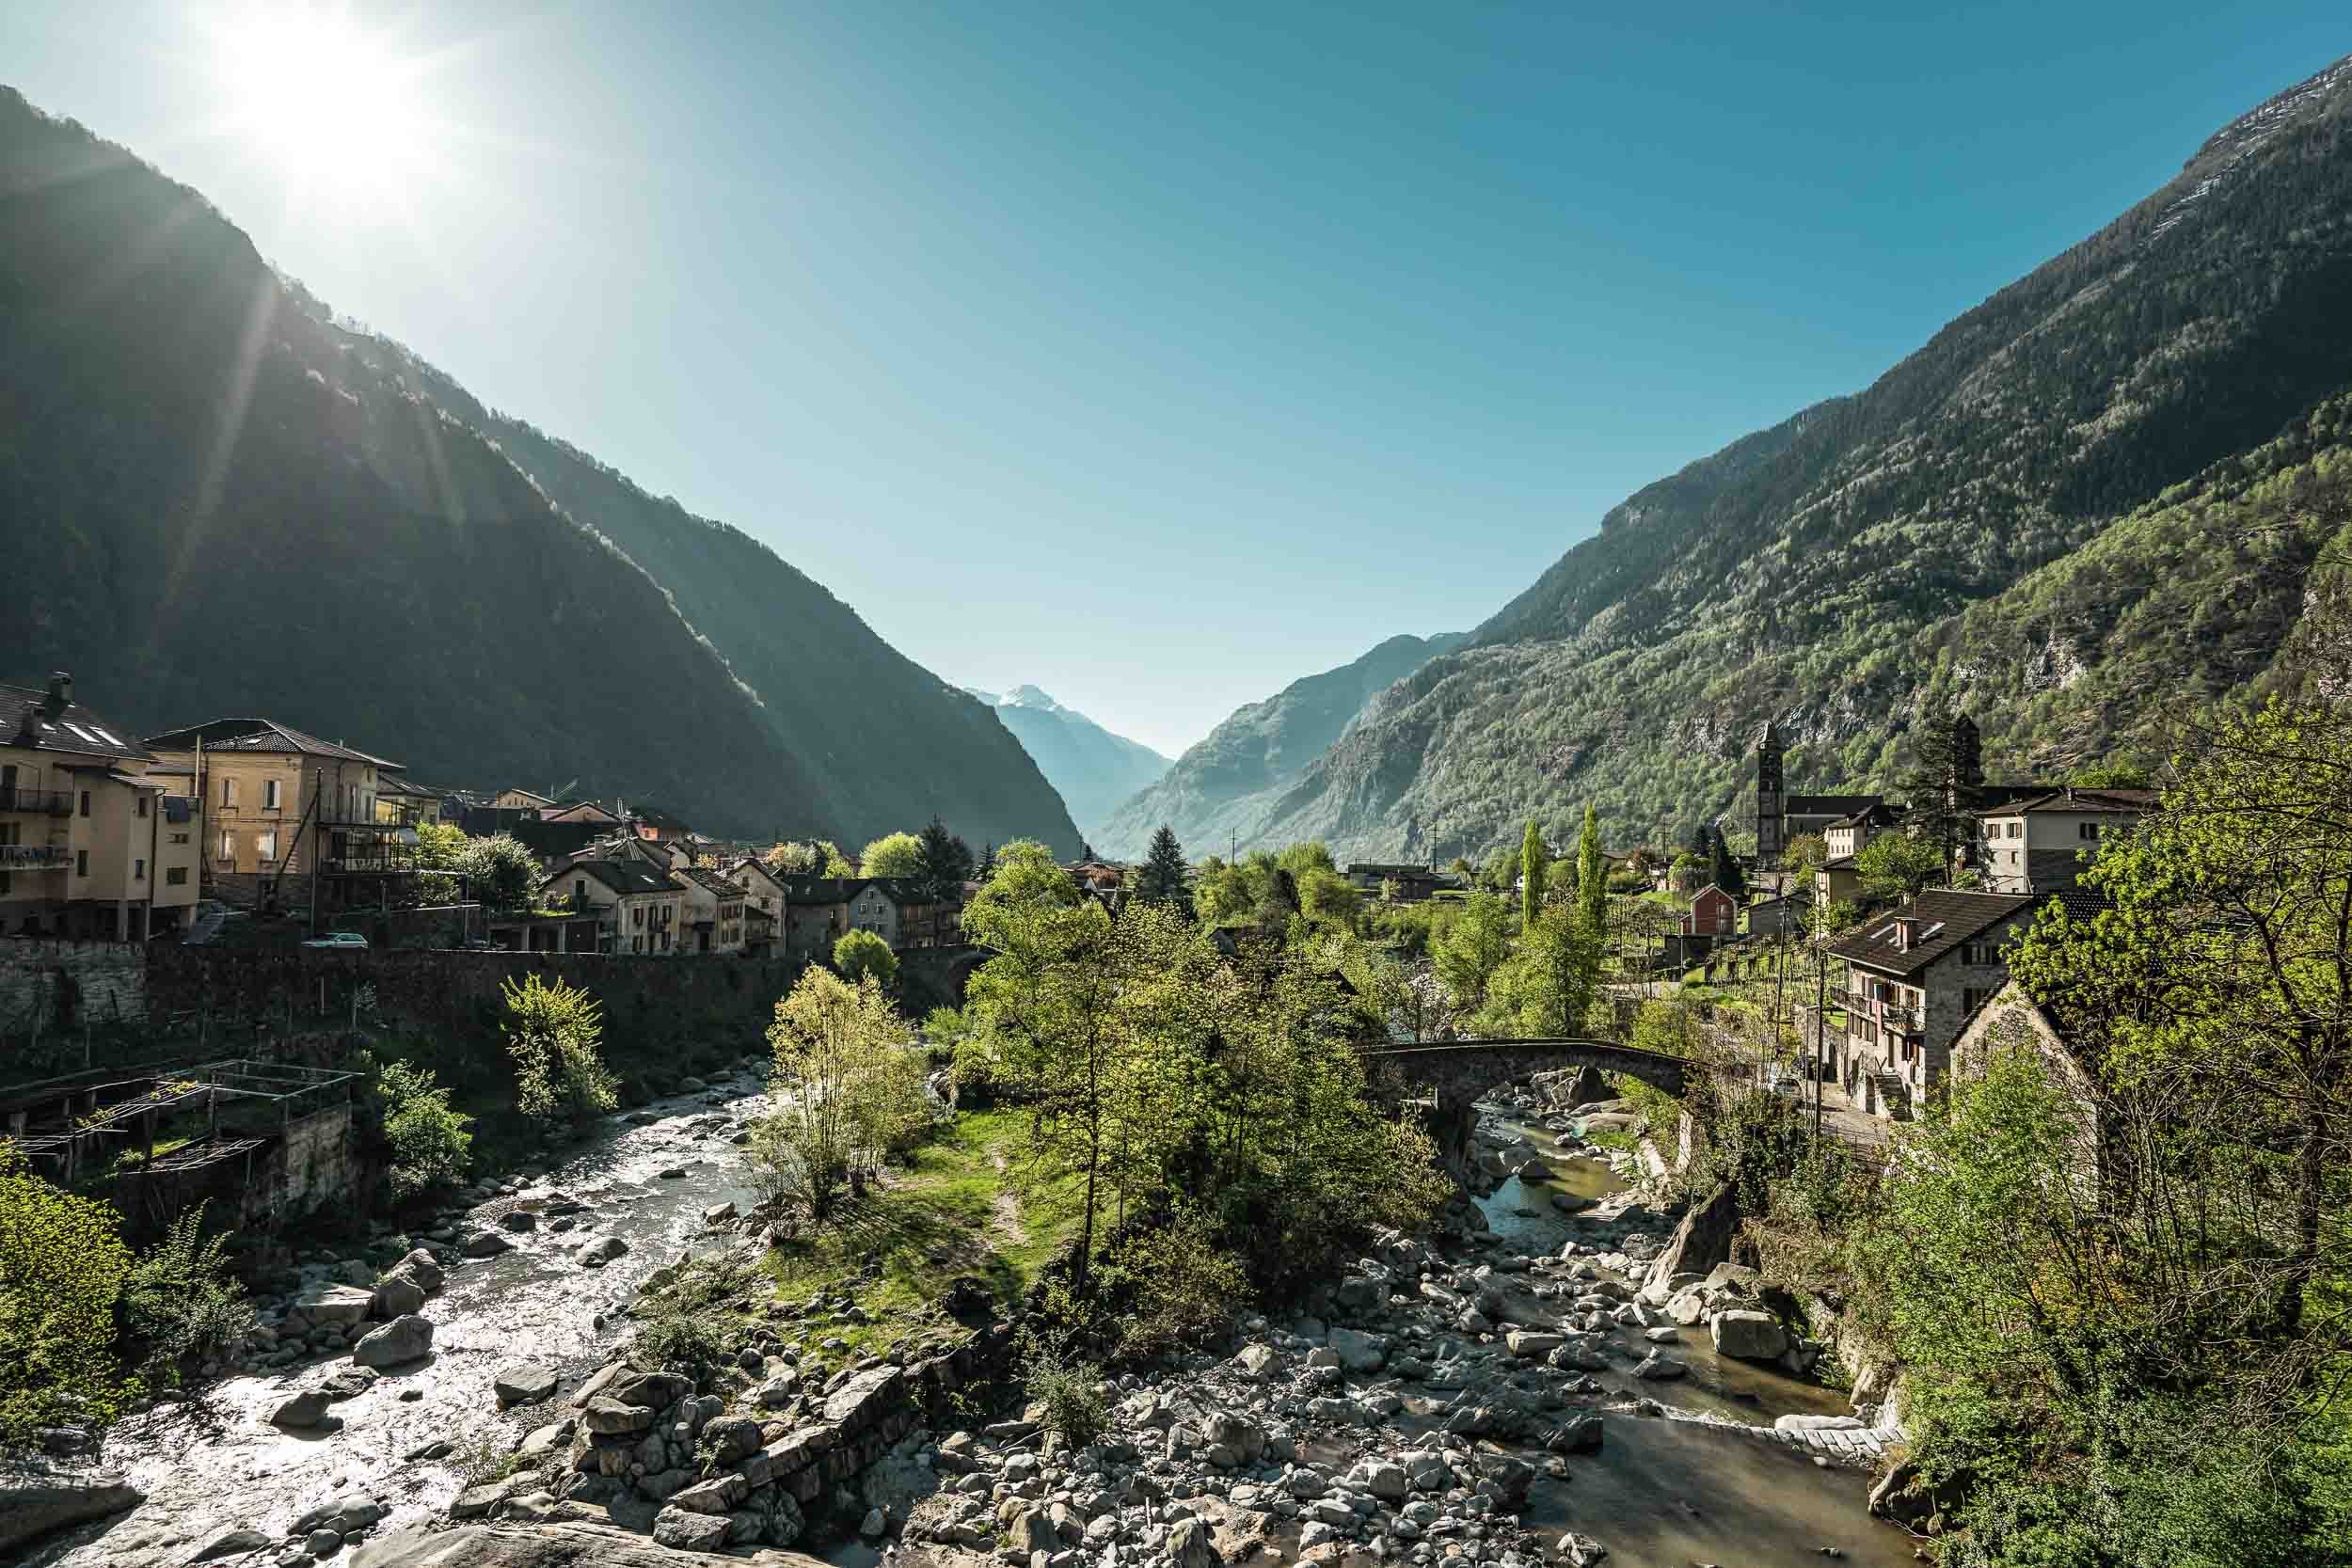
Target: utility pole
<point x="318" y="825"/>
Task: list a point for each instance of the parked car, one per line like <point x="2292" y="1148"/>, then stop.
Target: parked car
<point x="339" y="939"/>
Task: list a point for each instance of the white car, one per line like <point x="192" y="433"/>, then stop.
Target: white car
<point x="339" y="939"/>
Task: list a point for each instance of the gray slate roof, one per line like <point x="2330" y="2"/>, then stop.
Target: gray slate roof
<point x="25" y="720"/>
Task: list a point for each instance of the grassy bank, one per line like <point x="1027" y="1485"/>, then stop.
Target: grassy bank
<point x="961" y="1206"/>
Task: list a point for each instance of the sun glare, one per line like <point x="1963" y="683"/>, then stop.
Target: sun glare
<point x="332" y="104"/>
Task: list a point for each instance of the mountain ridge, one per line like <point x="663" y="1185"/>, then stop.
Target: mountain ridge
<point x="211" y="450"/>
<point x="1093" y="768"/>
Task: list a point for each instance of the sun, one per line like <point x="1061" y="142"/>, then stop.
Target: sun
<point x="329" y="100"/>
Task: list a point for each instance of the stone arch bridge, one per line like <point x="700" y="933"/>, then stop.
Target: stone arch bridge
<point x="1459" y="1072"/>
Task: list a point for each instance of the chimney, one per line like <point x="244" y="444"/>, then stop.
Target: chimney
<point x="1902" y="935"/>
<point x="60" y="691"/>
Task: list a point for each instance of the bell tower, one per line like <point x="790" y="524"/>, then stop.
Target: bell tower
<point x="1771" y="802"/>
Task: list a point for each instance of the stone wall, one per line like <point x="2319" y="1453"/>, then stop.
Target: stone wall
<point x="64" y="985"/>
<point x="317" y="1164"/>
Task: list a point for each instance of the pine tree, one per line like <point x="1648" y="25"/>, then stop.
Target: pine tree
<point x="1942" y="785"/>
<point x="1592" y="877"/>
<point x="988" y="864"/>
<point x="1702" y="840"/>
<point x="944" y="864"/>
<point x="1162" y="874"/>
<point x="1534" y="871"/>
<point x="1722" y="870"/>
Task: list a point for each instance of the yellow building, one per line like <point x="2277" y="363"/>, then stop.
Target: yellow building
<point x="96" y="839"/>
<point x="280" y="805"/>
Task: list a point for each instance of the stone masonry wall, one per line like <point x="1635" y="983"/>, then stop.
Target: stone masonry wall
<point x="63" y="985"/>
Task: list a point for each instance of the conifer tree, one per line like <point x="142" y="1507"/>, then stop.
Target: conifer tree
<point x="1164" y="872"/>
<point x="1534" y="871"/>
<point x="1722" y="870"/>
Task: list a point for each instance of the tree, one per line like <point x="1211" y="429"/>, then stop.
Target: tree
<point x="62" y="1267"/>
<point x="2113" y="775"/>
<point x="1806" y="853"/>
<point x="836" y="863"/>
<point x="1162" y="874"/>
<point x="944" y="864"/>
<point x="851" y="1085"/>
<point x="440" y="848"/>
<point x="429" y="1141"/>
<point x="860" y="956"/>
<point x="1942" y="783"/>
<point x="987" y="868"/>
<point x="505" y="872"/>
<point x="1897" y="866"/>
<point x="1724" y="871"/>
<point x="1471" y="948"/>
<point x="803" y="859"/>
<point x="892" y="855"/>
<point x="1702" y="842"/>
<point x="1535" y="870"/>
<point x="554" y="1034"/>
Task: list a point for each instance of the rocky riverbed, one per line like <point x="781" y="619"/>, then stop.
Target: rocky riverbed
<point x="1535" y="1388"/>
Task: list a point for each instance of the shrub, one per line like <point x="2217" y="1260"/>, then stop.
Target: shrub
<point x="1071" y="1393"/>
<point x="679" y="1341"/>
<point x="859" y="954"/>
<point x="553" y="1034"/>
<point x="179" y="1303"/>
<point x="1181" y="1286"/>
<point x="856" y="1088"/>
<point x="62" y="1266"/>
<point x="430" y="1144"/>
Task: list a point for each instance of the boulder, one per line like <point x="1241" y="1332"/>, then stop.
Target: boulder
<point x="1358" y="1351"/>
<point x="332" y="1305"/>
<point x="396" y="1295"/>
<point x="1580" y="1551"/>
<point x="1532" y="1343"/>
<point x="423" y="1267"/>
<point x="596" y="1254"/>
<point x="36" y="1500"/>
<point x="305" y="1409"/>
<point x="1579" y="1434"/>
<point x="1687" y="1307"/>
<point x="1191" y="1544"/>
<point x="485" y="1244"/>
<point x="345" y="1514"/>
<point x="1702" y="1240"/>
<point x="1387" y="1481"/>
<point x="1750" y="1336"/>
<point x="235" y="1542"/>
<point x="404" y="1339"/>
<point x="523" y="1382"/>
<point x="718" y="1213"/>
<point x="1655" y="1367"/>
<point x="684" y="1531"/>
<point x="610" y="1416"/>
<point x="1256" y="1361"/>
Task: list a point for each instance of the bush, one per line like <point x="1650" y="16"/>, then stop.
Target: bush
<point x="430" y="1144"/>
<point x="859" y="954"/>
<point x="506" y="873"/>
<point x="1072" y="1394"/>
<point x="62" y="1266"/>
<point x="1179" y="1285"/>
<point x="671" y="1340"/>
<point x="553" y="1032"/>
<point x="178" y="1304"/>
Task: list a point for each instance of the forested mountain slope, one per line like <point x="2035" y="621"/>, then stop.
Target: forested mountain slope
<point x="218" y="501"/>
<point x="1964" y="523"/>
<point x="1221" y="790"/>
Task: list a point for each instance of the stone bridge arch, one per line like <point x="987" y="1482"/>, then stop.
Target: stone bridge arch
<point x="1457" y="1073"/>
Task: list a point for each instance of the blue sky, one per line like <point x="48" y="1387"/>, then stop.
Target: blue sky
<point x="1159" y="354"/>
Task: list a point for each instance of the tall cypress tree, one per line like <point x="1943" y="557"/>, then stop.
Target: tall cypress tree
<point x="1722" y="870"/>
<point x="1592" y="877"/>
<point x="1534" y="872"/>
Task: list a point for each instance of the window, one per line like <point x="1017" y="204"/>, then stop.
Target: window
<point x="637" y="945"/>
<point x="142" y="805"/>
<point x="579" y="893"/>
<point x="85" y="802"/>
<point x="2086" y="830"/>
<point x="266" y="845"/>
<point x="272" y="796"/>
<point x="81" y="862"/>
<point x="637" y="917"/>
<point x="1979" y="953"/>
<point x="175" y="876"/>
<point x="179" y="838"/>
<point x="2016" y="829"/>
<point x="228" y="847"/>
<point x="138" y="871"/>
<point x="229" y="794"/>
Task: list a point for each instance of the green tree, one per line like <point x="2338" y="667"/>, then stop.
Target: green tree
<point x="430" y="1143"/>
<point x="1806" y="853"/>
<point x="62" y="1267"/>
<point x="945" y="864"/>
<point x="1724" y="871"/>
<point x="1895" y="866"/>
<point x="803" y="859"/>
<point x="1472" y="947"/>
<point x="852" y="1086"/>
<point x="2113" y="775"/>
<point x="1534" y="871"/>
<point x="440" y="848"/>
<point x="892" y="855"/>
<point x="505" y="872"/>
<point x="1592" y="877"/>
<point x="555" y="1034"/>
<point x="1937" y="781"/>
<point x="180" y="1303"/>
<point x="1162" y="874"/>
<point x="862" y="955"/>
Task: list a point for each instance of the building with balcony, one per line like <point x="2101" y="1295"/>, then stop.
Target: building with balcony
<point x="2041" y="844"/>
<point x="97" y="839"/>
<point x="1914" y="976"/>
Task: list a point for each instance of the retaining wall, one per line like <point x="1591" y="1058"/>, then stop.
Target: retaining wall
<point x="62" y="986"/>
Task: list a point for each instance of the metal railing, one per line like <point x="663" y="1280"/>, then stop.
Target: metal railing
<point x="34" y="857"/>
<point x="48" y="802"/>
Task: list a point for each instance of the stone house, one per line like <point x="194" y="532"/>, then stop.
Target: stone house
<point x="1845" y="837"/>
<point x="98" y="837"/>
<point x="762" y="888"/>
<point x="281" y="807"/>
<point x="815" y="914"/>
<point x="2010" y="1015"/>
<point x="1914" y="976"/>
<point x="2041" y="844"/>
<point x="713" y="918"/>
<point x="640" y="908"/>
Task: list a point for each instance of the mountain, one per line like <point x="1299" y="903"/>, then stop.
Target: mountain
<point x="233" y="502"/>
<point x="1094" y="768"/>
<point x="1236" y="782"/>
<point x="2102" y="493"/>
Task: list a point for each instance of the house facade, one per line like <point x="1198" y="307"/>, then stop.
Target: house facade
<point x="763" y="889"/>
<point x="2043" y="842"/>
<point x="641" y="909"/>
<point x="1714" y="912"/>
<point x="713" y="911"/>
<point x="97" y="839"/>
<point x="281" y="807"/>
<point x="1914" y="976"/>
<point x="1846" y="837"/>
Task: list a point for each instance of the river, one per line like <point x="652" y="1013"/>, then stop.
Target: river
<point x="221" y="1465"/>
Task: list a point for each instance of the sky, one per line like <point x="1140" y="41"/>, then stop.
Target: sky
<point x="1160" y="355"/>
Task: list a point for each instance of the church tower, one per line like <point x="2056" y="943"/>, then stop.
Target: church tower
<point x="1772" y="802"/>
